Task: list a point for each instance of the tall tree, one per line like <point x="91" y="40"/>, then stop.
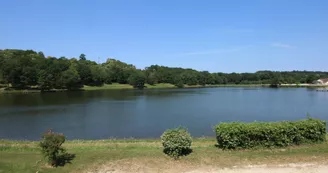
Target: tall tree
<point x="98" y="74"/>
<point x="82" y="57"/>
<point x="70" y="79"/>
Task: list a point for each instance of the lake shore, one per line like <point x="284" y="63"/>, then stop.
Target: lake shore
<point x="117" y="86"/>
<point x="145" y="155"/>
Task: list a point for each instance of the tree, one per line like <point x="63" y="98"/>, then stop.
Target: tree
<point x="98" y="75"/>
<point x="45" y="80"/>
<point x="204" y="78"/>
<point x="84" y="71"/>
<point x="19" y="68"/>
<point x="82" y="57"/>
<point x="275" y="82"/>
<point x="178" y="81"/>
<point x="70" y="79"/>
<point x="2" y="81"/>
<point x="24" y="69"/>
<point x="311" y="78"/>
<point x="41" y="54"/>
<point x="151" y="78"/>
<point x="118" y="71"/>
<point x="137" y="79"/>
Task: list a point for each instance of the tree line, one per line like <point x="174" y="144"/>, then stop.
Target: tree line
<point x="23" y="69"/>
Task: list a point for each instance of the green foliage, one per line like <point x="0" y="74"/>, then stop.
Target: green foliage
<point x="51" y="147"/>
<point x="45" y="80"/>
<point x="70" y="79"/>
<point x="179" y="84"/>
<point x="151" y="78"/>
<point x="98" y="75"/>
<point x="24" y="69"/>
<point x="82" y="57"/>
<point x="19" y="68"/>
<point x="84" y="71"/>
<point x="118" y="71"/>
<point x="239" y="135"/>
<point x="275" y="81"/>
<point x="176" y="142"/>
<point x="137" y="79"/>
<point x="178" y="81"/>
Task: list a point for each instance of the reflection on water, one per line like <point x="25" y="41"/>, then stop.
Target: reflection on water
<point x="147" y="113"/>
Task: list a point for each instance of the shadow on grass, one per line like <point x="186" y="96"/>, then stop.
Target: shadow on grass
<point x="182" y="152"/>
<point x="65" y="158"/>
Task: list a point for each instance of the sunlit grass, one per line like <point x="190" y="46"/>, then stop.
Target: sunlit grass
<point x="160" y="85"/>
<point x="24" y="156"/>
<point x="107" y="87"/>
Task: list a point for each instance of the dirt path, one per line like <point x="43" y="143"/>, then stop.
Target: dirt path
<point x="139" y="166"/>
<point x="266" y="169"/>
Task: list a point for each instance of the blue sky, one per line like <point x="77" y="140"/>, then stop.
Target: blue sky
<point x="213" y="35"/>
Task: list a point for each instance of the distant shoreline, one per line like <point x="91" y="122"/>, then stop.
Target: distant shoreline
<point x="116" y="86"/>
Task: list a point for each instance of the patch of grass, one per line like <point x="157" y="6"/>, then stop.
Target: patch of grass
<point x="160" y="86"/>
<point x="107" y="87"/>
<point x="25" y="156"/>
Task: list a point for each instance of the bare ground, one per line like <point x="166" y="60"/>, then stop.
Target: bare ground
<point x="138" y="165"/>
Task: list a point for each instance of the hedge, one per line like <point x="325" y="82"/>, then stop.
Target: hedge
<point x="176" y="142"/>
<point x="238" y="135"/>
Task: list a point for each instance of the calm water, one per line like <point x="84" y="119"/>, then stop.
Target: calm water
<point x="146" y="114"/>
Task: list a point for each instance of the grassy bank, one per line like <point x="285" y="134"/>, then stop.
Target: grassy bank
<point x="24" y="156"/>
<point x="117" y="86"/>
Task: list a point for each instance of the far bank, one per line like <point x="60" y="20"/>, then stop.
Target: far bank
<point x="117" y="86"/>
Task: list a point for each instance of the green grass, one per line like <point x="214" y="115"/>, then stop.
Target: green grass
<point x="117" y="86"/>
<point x="160" y="85"/>
<point x="107" y="87"/>
<point x="24" y="156"/>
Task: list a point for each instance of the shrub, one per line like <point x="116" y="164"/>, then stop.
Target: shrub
<point x="238" y="135"/>
<point x="176" y="142"/>
<point x="137" y="79"/>
<point x="179" y="85"/>
<point x="51" y="147"/>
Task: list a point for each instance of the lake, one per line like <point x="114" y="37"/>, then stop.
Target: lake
<point x="147" y="113"/>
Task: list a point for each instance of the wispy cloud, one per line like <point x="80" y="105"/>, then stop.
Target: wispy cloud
<point x="282" y="45"/>
<point x="216" y="51"/>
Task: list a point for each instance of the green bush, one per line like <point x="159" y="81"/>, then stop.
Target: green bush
<point x="51" y="147"/>
<point x="137" y="79"/>
<point x="176" y="142"/>
<point x="179" y="85"/>
<point x="239" y="135"/>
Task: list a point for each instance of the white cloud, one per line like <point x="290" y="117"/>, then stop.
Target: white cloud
<point x="282" y="45"/>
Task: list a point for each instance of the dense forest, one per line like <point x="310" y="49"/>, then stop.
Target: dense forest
<point x="23" y="69"/>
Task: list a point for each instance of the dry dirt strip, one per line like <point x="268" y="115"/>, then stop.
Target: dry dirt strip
<point x="287" y="168"/>
<point x="316" y="169"/>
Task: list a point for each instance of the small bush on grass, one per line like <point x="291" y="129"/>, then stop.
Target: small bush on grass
<point x="176" y="142"/>
<point x="239" y="135"/>
<point x="52" y="150"/>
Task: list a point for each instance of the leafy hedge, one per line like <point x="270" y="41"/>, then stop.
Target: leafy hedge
<point x="176" y="142"/>
<point x="239" y="135"/>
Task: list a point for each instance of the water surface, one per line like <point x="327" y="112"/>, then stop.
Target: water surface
<point x="147" y="113"/>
